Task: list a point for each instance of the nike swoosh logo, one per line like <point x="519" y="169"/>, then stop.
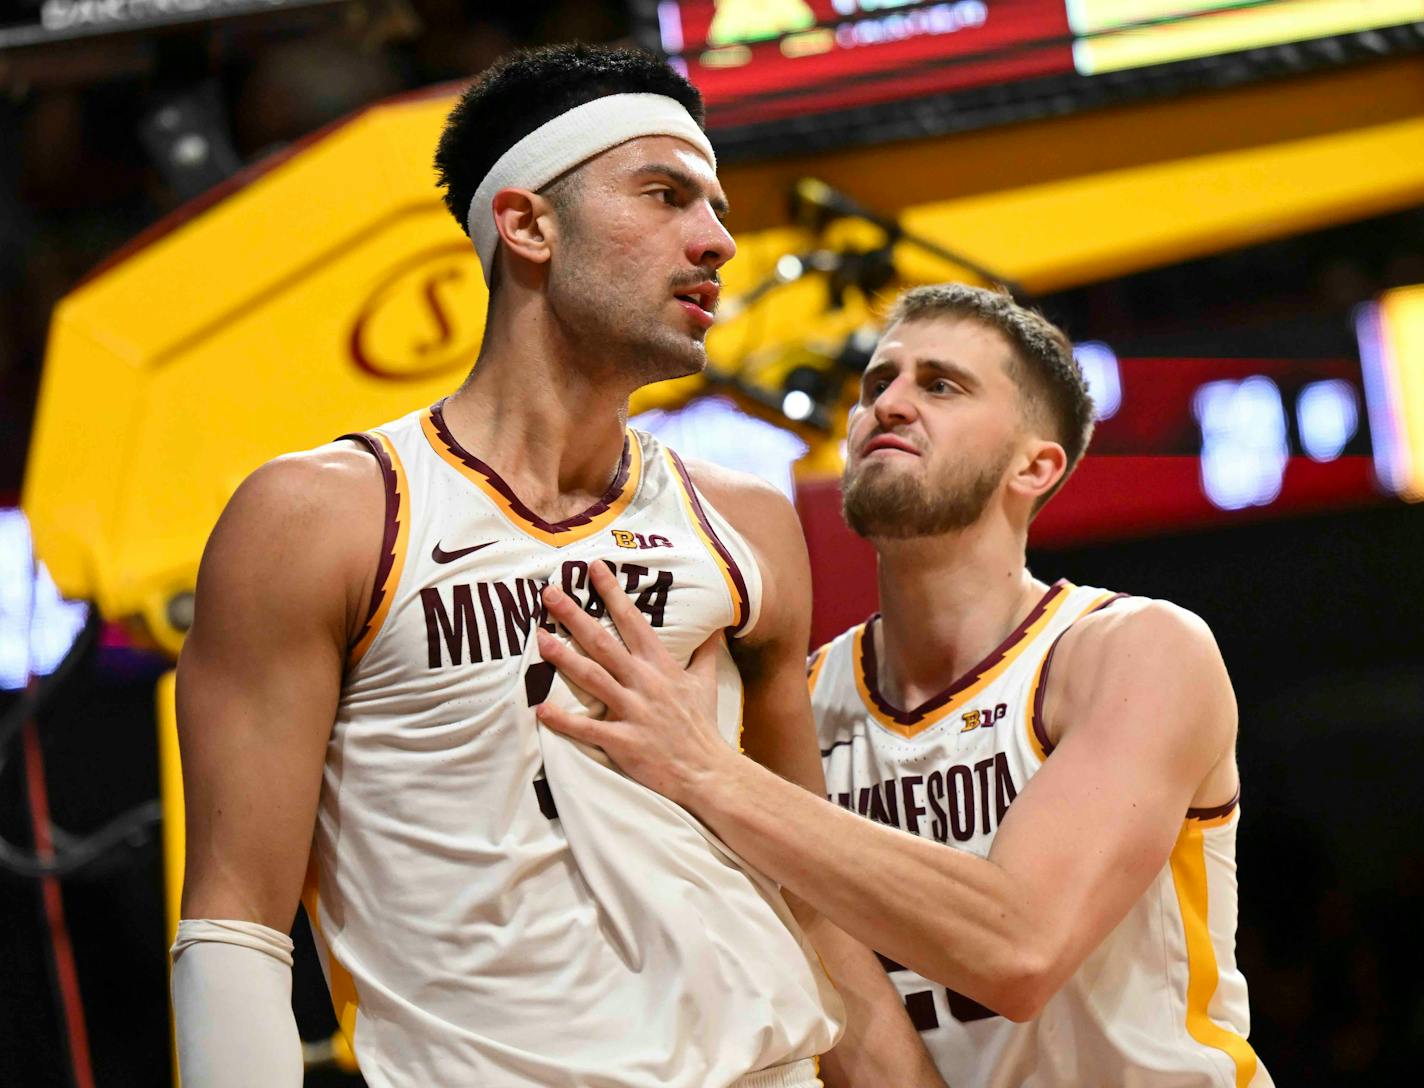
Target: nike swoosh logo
<point x="440" y="555"/>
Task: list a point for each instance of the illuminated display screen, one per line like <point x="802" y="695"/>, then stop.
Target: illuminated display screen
<point x="1194" y="442"/>
<point x="766" y="65"/>
<point x="714" y="429"/>
<point x="30" y="22"/>
<point x="37" y="626"/>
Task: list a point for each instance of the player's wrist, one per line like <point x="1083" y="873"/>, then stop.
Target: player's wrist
<point x="718" y="786"/>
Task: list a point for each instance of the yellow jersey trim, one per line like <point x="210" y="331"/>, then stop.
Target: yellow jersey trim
<point x="1188" y="864"/>
<point x="1035" y="728"/>
<point x="344" y="999"/>
<point x="736" y="585"/>
<point x="393" y="549"/>
<point x="813" y="671"/>
<point x="983" y="674"/>
<point x="596" y="518"/>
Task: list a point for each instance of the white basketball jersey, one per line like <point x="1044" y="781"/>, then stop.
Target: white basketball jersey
<point x="1160" y="1003"/>
<point x="496" y="905"/>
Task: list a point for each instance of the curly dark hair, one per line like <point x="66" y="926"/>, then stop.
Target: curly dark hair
<point x="1041" y="361"/>
<point x="529" y="87"/>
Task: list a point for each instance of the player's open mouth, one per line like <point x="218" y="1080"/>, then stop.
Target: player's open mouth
<point x="700" y="302"/>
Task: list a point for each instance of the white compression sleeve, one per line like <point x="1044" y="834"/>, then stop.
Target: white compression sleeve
<point x="232" y="1006"/>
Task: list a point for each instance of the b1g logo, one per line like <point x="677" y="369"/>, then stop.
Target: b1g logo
<point x="983" y="719"/>
<point x="624" y="539"/>
<point x="423" y="317"/>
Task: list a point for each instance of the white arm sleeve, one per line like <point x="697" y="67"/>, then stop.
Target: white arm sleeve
<point x="232" y="1006"/>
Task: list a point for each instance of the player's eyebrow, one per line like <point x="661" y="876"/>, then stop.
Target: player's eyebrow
<point x="885" y="368"/>
<point x="949" y="369"/>
<point x="687" y="181"/>
<point x="945" y="367"/>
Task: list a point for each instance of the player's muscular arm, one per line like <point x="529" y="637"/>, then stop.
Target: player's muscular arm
<point x="282" y="579"/>
<point x="1146" y="719"/>
<point x="260" y="673"/>
<point x="1143" y="716"/>
<point x="1144" y="729"/>
<point x="881" y="1046"/>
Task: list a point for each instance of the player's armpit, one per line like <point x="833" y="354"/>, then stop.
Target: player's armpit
<point x="1143" y="718"/>
<point x="260" y="674"/>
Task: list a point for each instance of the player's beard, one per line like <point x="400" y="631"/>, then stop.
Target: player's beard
<point x="598" y="304"/>
<point x="882" y="501"/>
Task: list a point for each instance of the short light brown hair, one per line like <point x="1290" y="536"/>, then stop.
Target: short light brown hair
<point x="1040" y="360"/>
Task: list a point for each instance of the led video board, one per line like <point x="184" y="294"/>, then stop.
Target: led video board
<point x="35" y="22"/>
<point x="833" y="71"/>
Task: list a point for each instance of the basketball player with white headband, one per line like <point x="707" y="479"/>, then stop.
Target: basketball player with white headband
<point x="493" y="903"/>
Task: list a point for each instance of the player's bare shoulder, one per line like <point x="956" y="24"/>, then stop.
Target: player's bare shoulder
<point x="1139" y="627"/>
<point x="305" y="525"/>
<point x="1130" y="617"/>
<point x="1142" y="652"/>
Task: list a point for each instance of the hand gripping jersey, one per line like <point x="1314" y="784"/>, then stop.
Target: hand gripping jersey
<point x="1160" y="1002"/>
<point x="496" y="906"/>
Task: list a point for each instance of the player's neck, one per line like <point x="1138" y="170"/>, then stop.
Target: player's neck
<point x="551" y="423"/>
<point x="945" y="603"/>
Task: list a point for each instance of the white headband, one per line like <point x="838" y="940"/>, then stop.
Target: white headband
<point x="569" y="139"/>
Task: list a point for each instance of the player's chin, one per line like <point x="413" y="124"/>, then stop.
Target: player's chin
<point x="883" y="467"/>
<point x="677" y="357"/>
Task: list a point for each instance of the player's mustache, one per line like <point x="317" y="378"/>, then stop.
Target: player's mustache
<point x="686" y="281"/>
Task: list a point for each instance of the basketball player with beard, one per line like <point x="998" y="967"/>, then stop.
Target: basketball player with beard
<point x="1062" y="910"/>
<point x="494" y="904"/>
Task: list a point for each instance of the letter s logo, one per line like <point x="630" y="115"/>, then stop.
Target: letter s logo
<point x="424" y="316"/>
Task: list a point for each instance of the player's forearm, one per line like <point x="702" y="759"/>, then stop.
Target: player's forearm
<point x="880" y="1047"/>
<point x="949" y="915"/>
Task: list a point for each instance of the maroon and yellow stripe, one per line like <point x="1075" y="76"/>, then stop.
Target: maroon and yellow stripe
<point x="1217" y="816"/>
<point x="731" y="573"/>
<point x="1038" y="738"/>
<point x="814" y="667"/>
<point x="344" y="999"/>
<point x="599" y="516"/>
<point x="1188" y="864"/>
<point x="393" y="543"/>
<point x="909" y="723"/>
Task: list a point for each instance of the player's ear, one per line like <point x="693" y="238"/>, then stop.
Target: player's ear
<point x="1040" y="465"/>
<point x="525" y="223"/>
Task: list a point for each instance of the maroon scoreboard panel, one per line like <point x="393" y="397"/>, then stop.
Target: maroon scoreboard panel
<point x="789" y="75"/>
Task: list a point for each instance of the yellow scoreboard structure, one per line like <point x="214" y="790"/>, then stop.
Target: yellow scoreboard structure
<point x="328" y="289"/>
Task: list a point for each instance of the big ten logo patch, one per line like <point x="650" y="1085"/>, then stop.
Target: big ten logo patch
<point x="624" y="539"/>
<point x="423" y="316"/>
<point x="983" y="719"/>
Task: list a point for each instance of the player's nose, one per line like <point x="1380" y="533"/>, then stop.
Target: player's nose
<point x="709" y="243"/>
<point x="896" y="404"/>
